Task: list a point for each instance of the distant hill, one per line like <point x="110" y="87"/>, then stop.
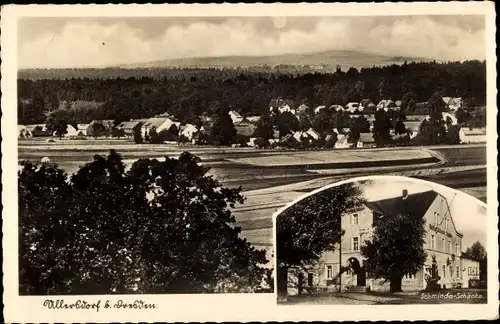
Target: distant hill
<point x="295" y="63"/>
<point x="344" y="59"/>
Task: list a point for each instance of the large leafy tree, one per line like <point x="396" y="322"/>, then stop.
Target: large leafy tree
<point x="382" y="128"/>
<point x="160" y="227"/>
<point x="223" y="131"/>
<point x="477" y="252"/>
<point x="312" y="226"/>
<point x="396" y="248"/>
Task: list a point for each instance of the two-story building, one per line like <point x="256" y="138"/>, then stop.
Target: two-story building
<point x="443" y="245"/>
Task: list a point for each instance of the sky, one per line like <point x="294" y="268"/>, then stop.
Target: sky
<point x="98" y="42"/>
<point x="469" y="214"/>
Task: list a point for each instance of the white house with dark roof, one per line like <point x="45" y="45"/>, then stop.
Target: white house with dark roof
<point x="442" y="244"/>
<point x="313" y="134"/>
<point x="472" y="135"/>
<point x="188" y="131"/>
<point x="352" y="107"/>
<point x="235" y="116"/>
<point x="159" y="124"/>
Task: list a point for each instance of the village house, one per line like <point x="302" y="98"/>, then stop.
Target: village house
<point x="337" y="108"/>
<point x="235" y="117"/>
<point x="365" y="140"/>
<point x="352" y="107"/>
<point x="252" y="119"/>
<point x="398" y="104"/>
<point x="472" y="135"/>
<point x="412" y="127"/>
<point x="454" y="104"/>
<point x="301" y="137"/>
<point x="366" y="104"/>
<point x="82" y="129"/>
<point x="71" y="131"/>
<point x="130" y="127"/>
<point x="342" y="141"/>
<point x="443" y="245"/>
<point x="159" y="124"/>
<point x="302" y="109"/>
<point x="281" y="105"/>
<point x="386" y="104"/>
<point x="313" y="134"/>
<point x="22" y="131"/>
<point x="188" y="131"/>
<point x="318" y="109"/>
<point x="38" y="130"/>
<point x="289" y="141"/>
<point x="445" y="115"/>
<point x="245" y="129"/>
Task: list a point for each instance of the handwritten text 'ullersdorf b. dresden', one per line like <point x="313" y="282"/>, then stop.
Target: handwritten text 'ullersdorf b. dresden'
<point x="82" y="304"/>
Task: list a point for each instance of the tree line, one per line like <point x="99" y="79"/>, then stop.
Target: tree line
<point x="190" y="93"/>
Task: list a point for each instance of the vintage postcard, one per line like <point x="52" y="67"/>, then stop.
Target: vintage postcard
<point x="249" y="162"/>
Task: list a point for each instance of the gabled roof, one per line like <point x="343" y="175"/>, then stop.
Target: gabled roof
<point x="366" y="138"/>
<point x="415" y="204"/>
<point x="245" y="129"/>
<point x="319" y="108"/>
<point x="337" y="107"/>
<point x="235" y="114"/>
<point x="421" y="105"/>
<point x="129" y="124"/>
<point x="156" y="121"/>
<point x="366" y="102"/>
<point x="288" y="137"/>
<point x="302" y="108"/>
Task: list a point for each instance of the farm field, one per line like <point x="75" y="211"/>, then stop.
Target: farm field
<point x="273" y="178"/>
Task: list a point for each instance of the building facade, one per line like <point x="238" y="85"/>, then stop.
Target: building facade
<point x="443" y="245"/>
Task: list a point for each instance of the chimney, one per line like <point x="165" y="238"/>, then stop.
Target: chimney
<point x="405" y="194"/>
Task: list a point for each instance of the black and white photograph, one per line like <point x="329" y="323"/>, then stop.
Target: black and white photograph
<point x="155" y="152"/>
<point x="384" y="240"/>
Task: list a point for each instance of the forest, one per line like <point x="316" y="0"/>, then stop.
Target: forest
<point x="187" y="93"/>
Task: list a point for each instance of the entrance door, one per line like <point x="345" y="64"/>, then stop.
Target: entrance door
<point x="310" y="277"/>
<point x="361" y="277"/>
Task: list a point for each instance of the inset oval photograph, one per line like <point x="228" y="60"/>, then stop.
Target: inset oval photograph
<point x="382" y="240"/>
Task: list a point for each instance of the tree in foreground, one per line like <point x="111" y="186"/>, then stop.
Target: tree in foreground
<point x="160" y="227"/>
<point x="311" y="227"/>
<point x="396" y="248"/>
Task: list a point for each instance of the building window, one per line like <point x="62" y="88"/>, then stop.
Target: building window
<point x="354" y="219"/>
<point x="409" y="276"/>
<point x="458" y="271"/>
<point x="355" y="243"/>
<point x="329" y="272"/>
<point x="449" y="247"/>
<point x="433" y="242"/>
<point x="444" y="271"/>
<point x="435" y="218"/>
<point x="451" y="271"/>
<point x="443" y="246"/>
<point x="310" y="277"/>
<point x="456" y="249"/>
